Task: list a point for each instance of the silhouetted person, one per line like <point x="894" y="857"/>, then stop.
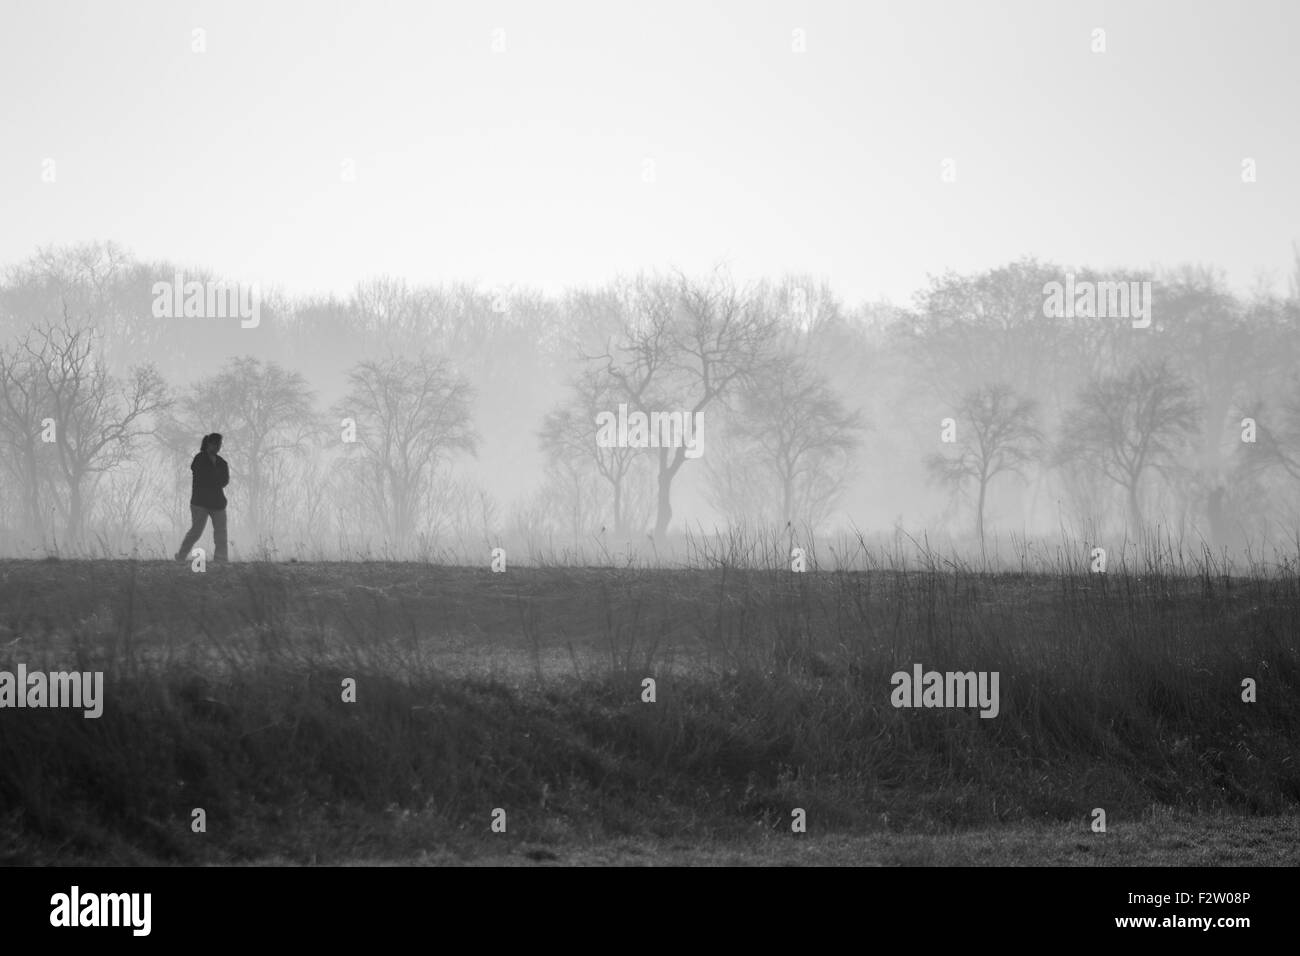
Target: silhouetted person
<point x="211" y="474"/>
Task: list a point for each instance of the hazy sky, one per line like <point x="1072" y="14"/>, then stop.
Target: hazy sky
<point x="529" y="165"/>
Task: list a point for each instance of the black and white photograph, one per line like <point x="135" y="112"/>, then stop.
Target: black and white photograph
<point x="844" y="435"/>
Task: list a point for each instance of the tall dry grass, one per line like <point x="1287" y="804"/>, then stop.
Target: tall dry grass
<point x="523" y="691"/>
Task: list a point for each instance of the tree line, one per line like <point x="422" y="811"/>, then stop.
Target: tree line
<point x="400" y="419"/>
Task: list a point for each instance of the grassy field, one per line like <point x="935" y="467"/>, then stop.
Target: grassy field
<point x="523" y="691"/>
<point x="1160" y="838"/>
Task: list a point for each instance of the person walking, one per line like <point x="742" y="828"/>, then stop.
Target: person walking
<point x="207" y="500"/>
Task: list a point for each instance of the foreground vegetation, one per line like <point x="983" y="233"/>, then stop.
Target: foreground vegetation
<point x="523" y="691"/>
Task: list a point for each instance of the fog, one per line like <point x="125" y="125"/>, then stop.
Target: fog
<point x="588" y="289"/>
<point x="443" y="421"/>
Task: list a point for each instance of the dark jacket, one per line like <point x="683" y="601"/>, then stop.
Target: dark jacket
<point x="209" y="479"/>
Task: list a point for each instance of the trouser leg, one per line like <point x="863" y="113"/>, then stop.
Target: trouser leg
<point x="219" y="534"/>
<point x="198" y="521"/>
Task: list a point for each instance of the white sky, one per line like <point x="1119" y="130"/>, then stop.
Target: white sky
<point x="526" y="166"/>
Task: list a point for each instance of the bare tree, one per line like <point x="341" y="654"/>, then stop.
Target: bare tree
<point x="996" y="433"/>
<point x="797" y="434"/>
<point x="23" y="408"/>
<point x="685" y="345"/>
<point x="1129" y="424"/>
<point x="970" y="329"/>
<point x="125" y="497"/>
<point x="411" y="415"/>
<point x="1277" y="438"/>
<point x="1226" y="348"/>
<point x="103" y="280"/>
<point x="568" y="437"/>
<point x="97" y="417"/>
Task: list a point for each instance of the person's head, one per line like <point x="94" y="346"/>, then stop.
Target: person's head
<point x="211" y="443"/>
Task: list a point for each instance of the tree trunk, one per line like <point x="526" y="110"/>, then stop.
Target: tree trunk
<point x="32" y="494"/>
<point x="667" y="472"/>
<point x="75" y="517"/>
<point x="618" y="509"/>
<point x="401" y="530"/>
<point x="254" y="492"/>
<point x="665" y="507"/>
<point x="575" y="517"/>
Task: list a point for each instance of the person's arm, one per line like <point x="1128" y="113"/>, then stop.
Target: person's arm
<point x="225" y="473"/>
